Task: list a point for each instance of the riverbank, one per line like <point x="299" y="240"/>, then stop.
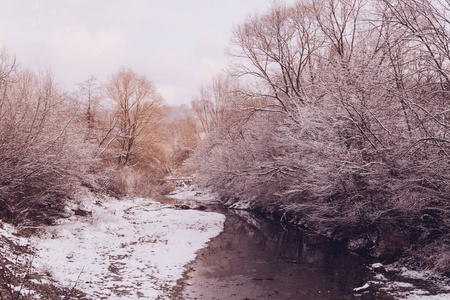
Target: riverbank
<point x="120" y="249"/>
<point x="255" y="257"/>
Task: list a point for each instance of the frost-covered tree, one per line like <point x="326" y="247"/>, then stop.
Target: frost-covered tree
<point x="42" y="159"/>
<point x="349" y="130"/>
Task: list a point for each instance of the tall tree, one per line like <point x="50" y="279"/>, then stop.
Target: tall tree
<point x="138" y="106"/>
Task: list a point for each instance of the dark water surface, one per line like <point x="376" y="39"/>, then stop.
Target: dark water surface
<point x="255" y="258"/>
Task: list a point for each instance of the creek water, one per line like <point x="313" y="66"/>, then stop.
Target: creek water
<point x="256" y="258"/>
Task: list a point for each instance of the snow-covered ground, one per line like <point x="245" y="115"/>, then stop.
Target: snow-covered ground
<point x="192" y="193"/>
<point x="408" y="291"/>
<point x="127" y="249"/>
<point x="137" y="248"/>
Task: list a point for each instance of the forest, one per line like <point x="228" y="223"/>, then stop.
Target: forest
<point x="333" y="116"/>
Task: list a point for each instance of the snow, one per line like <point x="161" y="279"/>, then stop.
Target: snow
<point x="422" y="295"/>
<point x="126" y="250"/>
<point x="241" y="205"/>
<point x="192" y="193"/>
<point x="137" y="248"/>
<point x="377" y="266"/>
<point x="407" y="290"/>
<point x="10" y="232"/>
<point x="361" y="288"/>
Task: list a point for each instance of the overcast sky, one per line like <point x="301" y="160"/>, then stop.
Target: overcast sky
<point x="178" y="44"/>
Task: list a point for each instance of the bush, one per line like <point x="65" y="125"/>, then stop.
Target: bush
<point x="42" y="160"/>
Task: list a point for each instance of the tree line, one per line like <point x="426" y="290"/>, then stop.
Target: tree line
<point x="111" y="138"/>
<point x="334" y="115"/>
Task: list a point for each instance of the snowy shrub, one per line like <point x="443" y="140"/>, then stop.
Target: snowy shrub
<point x="41" y="157"/>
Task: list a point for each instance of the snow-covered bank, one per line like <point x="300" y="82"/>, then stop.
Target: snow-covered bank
<point x="408" y="291"/>
<point x="408" y="284"/>
<point x="126" y="250"/>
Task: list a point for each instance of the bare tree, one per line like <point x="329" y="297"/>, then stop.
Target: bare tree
<point x="138" y="105"/>
<point x="214" y="103"/>
<point x="274" y="55"/>
<point x="8" y="68"/>
<point x="89" y="96"/>
<point x="338" y="21"/>
<point x="427" y="23"/>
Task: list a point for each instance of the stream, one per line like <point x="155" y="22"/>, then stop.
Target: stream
<point x="255" y="258"/>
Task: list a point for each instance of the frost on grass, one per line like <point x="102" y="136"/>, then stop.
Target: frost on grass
<point x="128" y="249"/>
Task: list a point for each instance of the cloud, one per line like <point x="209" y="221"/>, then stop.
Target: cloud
<point x="80" y="45"/>
<point x="178" y="44"/>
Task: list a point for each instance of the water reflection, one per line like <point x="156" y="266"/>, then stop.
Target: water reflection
<point x="254" y="258"/>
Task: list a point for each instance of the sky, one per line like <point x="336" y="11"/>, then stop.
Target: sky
<point x="177" y="44"/>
